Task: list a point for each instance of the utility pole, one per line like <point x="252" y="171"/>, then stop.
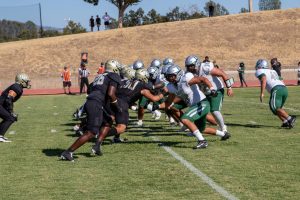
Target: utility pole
<point x="250" y="5"/>
<point x="41" y="23"/>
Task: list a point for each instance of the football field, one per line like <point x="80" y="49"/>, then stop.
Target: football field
<point x="260" y="160"/>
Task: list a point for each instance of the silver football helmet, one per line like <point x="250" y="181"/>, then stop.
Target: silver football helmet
<point x="192" y="60"/>
<point x="142" y="75"/>
<point x="261" y="64"/>
<point x="113" y="66"/>
<point x="165" y="68"/>
<point x="168" y="61"/>
<point x="23" y="80"/>
<point x="175" y="70"/>
<point x="138" y="65"/>
<point x="155" y="63"/>
<point x="153" y="72"/>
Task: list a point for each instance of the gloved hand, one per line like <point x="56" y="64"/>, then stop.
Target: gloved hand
<point x="214" y="93"/>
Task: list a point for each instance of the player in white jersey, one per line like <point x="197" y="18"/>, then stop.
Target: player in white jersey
<point x="270" y="80"/>
<point x="185" y="86"/>
<point x="212" y="73"/>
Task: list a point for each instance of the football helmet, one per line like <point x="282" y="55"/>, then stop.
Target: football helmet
<point x="153" y="72"/>
<point x="261" y="64"/>
<point x="175" y="70"/>
<point x="192" y="61"/>
<point x="168" y="61"/>
<point x="138" y="65"/>
<point x="129" y="73"/>
<point x="165" y="68"/>
<point x="142" y="75"/>
<point x="155" y="63"/>
<point x="113" y="66"/>
<point x="23" y="80"/>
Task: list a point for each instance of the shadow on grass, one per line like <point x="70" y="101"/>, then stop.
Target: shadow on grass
<point x="250" y="125"/>
<point x="54" y="152"/>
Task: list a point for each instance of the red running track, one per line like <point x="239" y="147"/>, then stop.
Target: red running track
<point x="76" y="90"/>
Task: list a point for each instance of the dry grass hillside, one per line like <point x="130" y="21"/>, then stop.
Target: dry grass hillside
<point x="227" y="39"/>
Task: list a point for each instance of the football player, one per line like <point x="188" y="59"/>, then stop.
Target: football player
<point x="270" y="80"/>
<point x="103" y="90"/>
<point x="7" y="99"/>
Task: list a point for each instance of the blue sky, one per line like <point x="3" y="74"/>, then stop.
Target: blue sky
<point x="56" y="12"/>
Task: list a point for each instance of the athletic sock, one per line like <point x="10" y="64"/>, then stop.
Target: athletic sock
<point x="289" y="118"/>
<point x="219" y="118"/>
<point x="220" y="133"/>
<point x="198" y="135"/>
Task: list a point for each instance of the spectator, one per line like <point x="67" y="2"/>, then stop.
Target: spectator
<point x="276" y="65"/>
<point x="98" y="22"/>
<point x="101" y="69"/>
<point x="84" y="57"/>
<point x="83" y="76"/>
<point x="66" y="78"/>
<point x="298" y="73"/>
<point x="241" y="71"/>
<point x="106" y="19"/>
<point x="211" y="10"/>
<point x="92" y="23"/>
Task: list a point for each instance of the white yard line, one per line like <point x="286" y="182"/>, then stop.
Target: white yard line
<point x="198" y="173"/>
<point x="257" y="103"/>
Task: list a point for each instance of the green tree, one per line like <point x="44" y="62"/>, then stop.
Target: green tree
<point x="73" y="28"/>
<point x="269" y="4"/>
<point x="152" y="17"/>
<point x="218" y="8"/>
<point x="244" y="10"/>
<point x="122" y="5"/>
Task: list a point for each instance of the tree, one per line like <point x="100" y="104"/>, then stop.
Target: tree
<point x="218" y="8"/>
<point x="152" y="17"/>
<point x="73" y="28"/>
<point x="250" y="2"/>
<point x="244" y="10"/>
<point x="122" y="5"/>
<point x="269" y="4"/>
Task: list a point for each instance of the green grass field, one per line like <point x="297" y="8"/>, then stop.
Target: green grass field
<point x="260" y="161"/>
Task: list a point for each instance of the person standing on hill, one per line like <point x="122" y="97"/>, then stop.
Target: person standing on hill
<point x="106" y="19"/>
<point x="269" y="80"/>
<point x="241" y="71"/>
<point x="101" y="69"/>
<point x="92" y="23"/>
<point x="83" y="76"/>
<point x="7" y="99"/>
<point x="98" y="22"/>
<point x="66" y="78"/>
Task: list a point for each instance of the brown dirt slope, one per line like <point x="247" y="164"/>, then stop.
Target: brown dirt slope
<point x="227" y="39"/>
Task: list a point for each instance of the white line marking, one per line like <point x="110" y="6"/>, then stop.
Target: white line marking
<point x="266" y="104"/>
<point x="12" y="132"/>
<point x="53" y="131"/>
<point x="252" y="122"/>
<point x="55" y="113"/>
<point x="197" y="172"/>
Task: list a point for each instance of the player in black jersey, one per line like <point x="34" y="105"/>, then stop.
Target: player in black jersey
<point x="128" y="94"/>
<point x="103" y="90"/>
<point x="7" y="99"/>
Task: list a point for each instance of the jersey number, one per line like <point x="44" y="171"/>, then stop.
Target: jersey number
<point x="99" y="80"/>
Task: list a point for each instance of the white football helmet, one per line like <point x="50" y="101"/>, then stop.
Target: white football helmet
<point x="261" y="64"/>
<point x="23" y="80"/>
<point x="142" y="75"/>
<point x="155" y="63"/>
<point x="138" y="65"/>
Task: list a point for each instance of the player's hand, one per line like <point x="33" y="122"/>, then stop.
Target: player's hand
<point x="213" y="93"/>
<point x="15" y="116"/>
<point x="261" y="97"/>
<point x="229" y="92"/>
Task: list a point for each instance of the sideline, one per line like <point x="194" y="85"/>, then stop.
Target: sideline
<point x="197" y="172"/>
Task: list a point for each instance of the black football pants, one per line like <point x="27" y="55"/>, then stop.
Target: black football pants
<point x="7" y="120"/>
<point x="84" y="81"/>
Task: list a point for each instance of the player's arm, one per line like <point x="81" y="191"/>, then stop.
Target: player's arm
<point x="200" y="79"/>
<point x="263" y="83"/>
<point x="146" y="93"/>
<point x="113" y="98"/>
<point x="228" y="81"/>
<point x="9" y="100"/>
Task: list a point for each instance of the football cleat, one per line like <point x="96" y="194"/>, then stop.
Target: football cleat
<point x="118" y="140"/>
<point x="138" y="123"/>
<point x="202" y="144"/>
<point x="292" y="121"/>
<point x="96" y="150"/>
<point x="157" y="115"/>
<point x="285" y="125"/>
<point x="226" y="136"/>
<point x="67" y="155"/>
<point x="4" y="139"/>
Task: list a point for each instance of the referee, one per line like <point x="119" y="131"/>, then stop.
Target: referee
<point x="83" y="76"/>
